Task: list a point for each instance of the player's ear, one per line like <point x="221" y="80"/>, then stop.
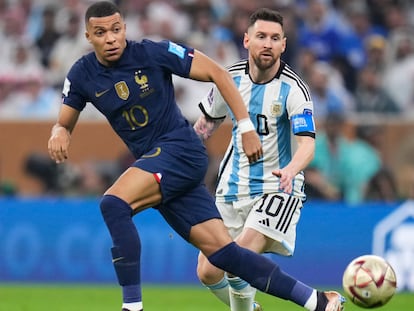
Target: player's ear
<point x="246" y="40"/>
<point x="284" y="44"/>
<point x="87" y="36"/>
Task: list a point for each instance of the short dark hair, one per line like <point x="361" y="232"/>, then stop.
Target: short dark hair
<point x="266" y="15"/>
<point x="101" y="9"/>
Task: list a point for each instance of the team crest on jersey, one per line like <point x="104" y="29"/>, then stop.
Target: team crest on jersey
<point x="122" y="90"/>
<point x="141" y="80"/>
<point x="276" y="108"/>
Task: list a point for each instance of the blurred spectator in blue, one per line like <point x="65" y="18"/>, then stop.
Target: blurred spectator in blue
<point x="358" y="27"/>
<point x="320" y="30"/>
<point x="209" y="37"/>
<point x="371" y="97"/>
<point x="32" y="11"/>
<point x="238" y="25"/>
<point x="341" y="168"/>
<point x="290" y="25"/>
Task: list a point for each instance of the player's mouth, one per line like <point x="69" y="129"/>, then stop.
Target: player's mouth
<point x="112" y="52"/>
<point x="266" y="56"/>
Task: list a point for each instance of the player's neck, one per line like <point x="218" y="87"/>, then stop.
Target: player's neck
<point x="261" y="76"/>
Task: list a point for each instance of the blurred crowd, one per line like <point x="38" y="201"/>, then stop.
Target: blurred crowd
<point x="356" y="55"/>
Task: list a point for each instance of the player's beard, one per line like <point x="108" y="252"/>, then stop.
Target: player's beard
<point x="264" y="64"/>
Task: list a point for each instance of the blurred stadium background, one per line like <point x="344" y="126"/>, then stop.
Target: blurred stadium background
<point x="358" y="58"/>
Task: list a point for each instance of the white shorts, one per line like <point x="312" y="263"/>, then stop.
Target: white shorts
<point x="274" y="215"/>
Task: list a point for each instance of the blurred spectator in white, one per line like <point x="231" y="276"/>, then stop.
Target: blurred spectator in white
<point x="169" y="21"/>
<point x="48" y="36"/>
<point x="12" y="32"/>
<point x="399" y="75"/>
<point x="34" y="100"/>
<point x="327" y="91"/>
<point x="371" y="97"/>
<point x="31" y="96"/>
<point x="206" y="36"/>
<point x="68" y="48"/>
<point x="65" y="10"/>
<point x="400" y="46"/>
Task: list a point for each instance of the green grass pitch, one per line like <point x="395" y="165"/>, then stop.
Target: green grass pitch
<point x="73" y="297"/>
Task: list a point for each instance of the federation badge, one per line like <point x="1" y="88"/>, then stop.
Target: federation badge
<point x="122" y="90"/>
<point x="276" y="108"/>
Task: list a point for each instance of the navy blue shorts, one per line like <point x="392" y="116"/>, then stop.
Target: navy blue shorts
<point x="185" y="199"/>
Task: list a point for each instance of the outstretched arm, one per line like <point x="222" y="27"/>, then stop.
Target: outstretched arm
<point x="58" y="144"/>
<point x="302" y="157"/>
<point x="205" y="69"/>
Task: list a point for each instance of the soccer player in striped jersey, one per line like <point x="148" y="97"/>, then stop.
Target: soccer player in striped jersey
<point x="261" y="202"/>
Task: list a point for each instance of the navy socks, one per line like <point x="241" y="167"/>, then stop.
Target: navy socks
<point x="260" y="272"/>
<point x="126" y="248"/>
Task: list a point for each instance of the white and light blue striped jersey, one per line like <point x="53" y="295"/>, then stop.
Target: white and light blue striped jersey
<point x="278" y="109"/>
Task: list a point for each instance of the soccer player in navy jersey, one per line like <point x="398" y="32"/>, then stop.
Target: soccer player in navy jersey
<point x="131" y="84"/>
<point x="261" y="202"/>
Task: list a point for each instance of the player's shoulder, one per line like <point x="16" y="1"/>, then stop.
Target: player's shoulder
<point x="83" y="66"/>
<point x="289" y="75"/>
<point x="293" y="79"/>
<point x="239" y="68"/>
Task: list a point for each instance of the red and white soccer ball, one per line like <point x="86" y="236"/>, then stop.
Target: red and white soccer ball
<point x="369" y="281"/>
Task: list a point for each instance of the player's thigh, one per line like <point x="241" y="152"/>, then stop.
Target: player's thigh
<point x="210" y="236"/>
<point x="254" y="240"/>
<point x="137" y="187"/>
<point x="234" y="215"/>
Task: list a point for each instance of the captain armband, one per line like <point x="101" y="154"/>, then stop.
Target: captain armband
<point x="303" y="123"/>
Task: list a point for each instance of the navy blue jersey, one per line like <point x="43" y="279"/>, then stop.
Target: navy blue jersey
<point x="137" y="94"/>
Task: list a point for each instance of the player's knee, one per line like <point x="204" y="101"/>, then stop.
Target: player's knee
<point x="113" y="207"/>
<point x="206" y="272"/>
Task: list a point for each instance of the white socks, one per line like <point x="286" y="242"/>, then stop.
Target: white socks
<point x="241" y="295"/>
<point x="132" y="306"/>
<point x="235" y="293"/>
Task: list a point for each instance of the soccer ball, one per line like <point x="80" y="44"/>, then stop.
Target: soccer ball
<point x="369" y="281"/>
